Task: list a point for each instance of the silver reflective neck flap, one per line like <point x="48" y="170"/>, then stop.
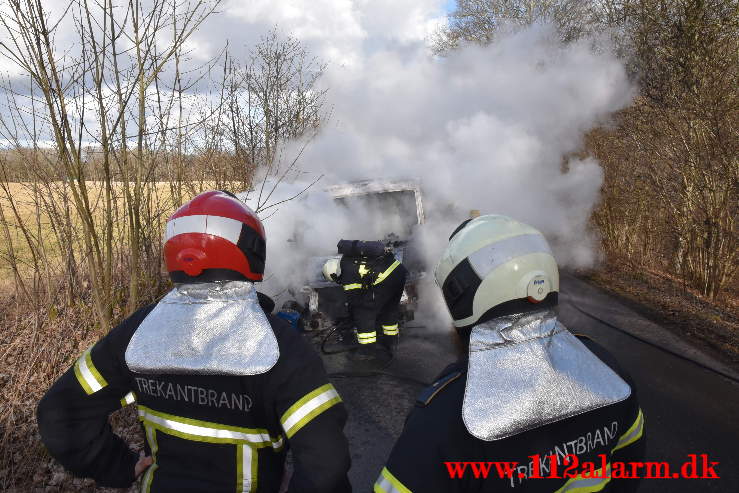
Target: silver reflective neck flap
<point x="529" y="371"/>
<point x="210" y="328"/>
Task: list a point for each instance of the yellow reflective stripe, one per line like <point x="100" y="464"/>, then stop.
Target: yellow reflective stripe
<point x="348" y="287"/>
<point x="88" y="390"/>
<point x="579" y="484"/>
<point x="246" y="468"/>
<point x="308" y="407"/>
<point x="87" y="375"/>
<point x="205" y="431"/>
<point x="387" y="483"/>
<point x="633" y="434"/>
<point x="390" y="330"/>
<point x="387" y="272"/>
<point x="129" y="398"/>
<point x="151" y="437"/>
<point x="366" y="337"/>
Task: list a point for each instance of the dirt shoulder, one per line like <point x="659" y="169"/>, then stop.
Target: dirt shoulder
<point x="711" y="326"/>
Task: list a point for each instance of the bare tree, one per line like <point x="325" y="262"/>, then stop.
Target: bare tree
<point x="272" y="98"/>
<point x="676" y="149"/>
<point x="479" y="21"/>
<point x="98" y="94"/>
<point x="107" y="129"/>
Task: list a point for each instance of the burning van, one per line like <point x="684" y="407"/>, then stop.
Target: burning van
<point x="399" y="204"/>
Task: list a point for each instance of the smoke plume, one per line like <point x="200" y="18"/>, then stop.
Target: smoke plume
<point x="487" y="128"/>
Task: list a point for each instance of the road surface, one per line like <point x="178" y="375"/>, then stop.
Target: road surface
<point x="688" y="409"/>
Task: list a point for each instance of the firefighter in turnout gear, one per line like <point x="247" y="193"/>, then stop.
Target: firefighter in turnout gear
<point x="526" y="392"/>
<point x="223" y="389"/>
<point x="373" y="280"/>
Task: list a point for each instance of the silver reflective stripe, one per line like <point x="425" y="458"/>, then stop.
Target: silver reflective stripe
<point x="204" y="431"/>
<point x="632" y="434"/>
<point x="308" y="407"/>
<point x="129" y="398"/>
<point x="587" y="485"/>
<point x="366" y="337"/>
<point x="151" y="437"/>
<point x="223" y="227"/>
<point x="247" y="443"/>
<point x="491" y="256"/>
<point x="246" y="468"/>
<point x="386" y="273"/>
<point x="390" y="330"/>
<point x="387" y="483"/>
<point x="87" y="375"/>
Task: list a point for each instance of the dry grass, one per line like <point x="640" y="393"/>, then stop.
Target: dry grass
<point x="34" y="352"/>
<point x="663" y="298"/>
<point x="38" y="344"/>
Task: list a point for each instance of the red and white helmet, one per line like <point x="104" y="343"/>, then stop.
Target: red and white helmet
<point x="214" y="237"/>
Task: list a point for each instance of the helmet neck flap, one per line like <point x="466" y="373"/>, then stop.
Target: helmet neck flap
<point x="216" y="329"/>
<point x="527" y="371"/>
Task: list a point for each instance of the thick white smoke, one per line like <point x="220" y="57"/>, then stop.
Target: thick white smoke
<point x="487" y="128"/>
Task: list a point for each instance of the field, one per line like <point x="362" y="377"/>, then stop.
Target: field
<point x="44" y="328"/>
<point x="39" y="215"/>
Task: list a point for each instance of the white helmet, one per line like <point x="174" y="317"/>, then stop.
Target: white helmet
<point x="332" y="269"/>
<point x="495" y="266"/>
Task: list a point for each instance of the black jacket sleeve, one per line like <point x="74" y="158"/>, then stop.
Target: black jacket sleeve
<point x="73" y="415"/>
<point x="312" y="417"/>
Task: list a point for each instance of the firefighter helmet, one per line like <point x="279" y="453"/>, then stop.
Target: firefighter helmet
<point x="332" y="269"/>
<point x="495" y="266"/>
<point x="215" y="237"/>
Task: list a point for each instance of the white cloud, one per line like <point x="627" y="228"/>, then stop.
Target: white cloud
<point x="340" y="32"/>
<point x="484" y="128"/>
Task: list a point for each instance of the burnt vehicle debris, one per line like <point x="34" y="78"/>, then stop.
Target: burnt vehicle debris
<point x="395" y="208"/>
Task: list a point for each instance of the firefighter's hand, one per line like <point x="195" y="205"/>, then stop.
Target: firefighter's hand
<point x="143" y="463"/>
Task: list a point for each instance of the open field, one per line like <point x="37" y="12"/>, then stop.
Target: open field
<point x="40" y="227"/>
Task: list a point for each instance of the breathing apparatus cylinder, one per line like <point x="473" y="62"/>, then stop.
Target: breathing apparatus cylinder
<point x="357" y="248"/>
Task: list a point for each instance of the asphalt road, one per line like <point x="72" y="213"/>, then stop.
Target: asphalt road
<point x="688" y="409"/>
